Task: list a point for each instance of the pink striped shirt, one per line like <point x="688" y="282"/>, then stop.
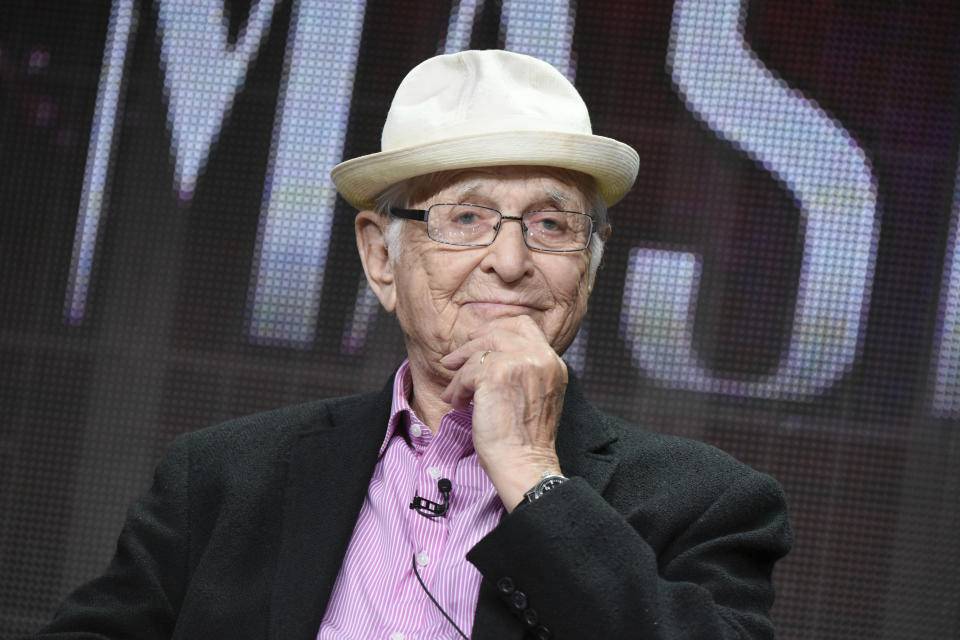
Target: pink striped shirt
<point x="376" y="595"/>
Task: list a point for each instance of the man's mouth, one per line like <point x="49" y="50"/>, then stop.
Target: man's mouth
<point x="503" y="307"/>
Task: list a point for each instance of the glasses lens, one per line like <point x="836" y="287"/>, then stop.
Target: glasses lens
<point x="557" y="230"/>
<point x="462" y="224"/>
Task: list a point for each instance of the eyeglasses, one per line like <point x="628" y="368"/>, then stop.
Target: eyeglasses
<point x="471" y="225"/>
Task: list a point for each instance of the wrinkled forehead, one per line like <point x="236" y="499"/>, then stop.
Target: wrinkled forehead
<point x="549" y="186"/>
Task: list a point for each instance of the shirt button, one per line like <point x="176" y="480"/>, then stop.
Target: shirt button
<point x="423" y="559"/>
<point x="396" y="635"/>
<point x="435" y="472"/>
<point x="415" y="430"/>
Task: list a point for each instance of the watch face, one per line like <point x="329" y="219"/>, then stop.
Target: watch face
<point x="552" y="483"/>
<point x="547" y="484"/>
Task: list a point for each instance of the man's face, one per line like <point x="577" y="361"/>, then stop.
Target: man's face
<point x="444" y="292"/>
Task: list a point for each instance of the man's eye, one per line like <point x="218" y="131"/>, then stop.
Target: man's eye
<point x="466" y="218"/>
<point x="548" y="222"/>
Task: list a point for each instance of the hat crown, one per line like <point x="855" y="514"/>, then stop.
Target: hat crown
<point x="481" y="92"/>
<point x="485" y="109"/>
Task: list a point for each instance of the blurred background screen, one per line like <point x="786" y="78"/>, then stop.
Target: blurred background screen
<point x="782" y="282"/>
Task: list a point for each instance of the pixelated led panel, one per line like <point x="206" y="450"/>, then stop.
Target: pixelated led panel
<point x="796" y="160"/>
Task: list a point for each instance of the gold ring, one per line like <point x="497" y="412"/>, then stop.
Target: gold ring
<point x="485" y="354"/>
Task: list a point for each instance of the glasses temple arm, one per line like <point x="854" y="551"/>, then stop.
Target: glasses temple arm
<point x="409" y="214"/>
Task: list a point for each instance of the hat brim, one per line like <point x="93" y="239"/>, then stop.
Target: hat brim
<point x="612" y="164"/>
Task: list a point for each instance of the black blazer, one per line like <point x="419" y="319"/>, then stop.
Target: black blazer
<point x="244" y="529"/>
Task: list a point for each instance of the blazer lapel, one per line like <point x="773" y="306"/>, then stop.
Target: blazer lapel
<point x="328" y="473"/>
<point x="583" y="439"/>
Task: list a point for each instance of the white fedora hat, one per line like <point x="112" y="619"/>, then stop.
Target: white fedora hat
<point x="482" y="109"/>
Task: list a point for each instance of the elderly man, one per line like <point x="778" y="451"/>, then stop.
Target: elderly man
<point x="478" y="494"/>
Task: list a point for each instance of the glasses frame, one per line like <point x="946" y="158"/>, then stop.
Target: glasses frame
<point x="423" y="215"/>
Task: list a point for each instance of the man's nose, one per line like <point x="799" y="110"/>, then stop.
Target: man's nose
<point x="509" y="255"/>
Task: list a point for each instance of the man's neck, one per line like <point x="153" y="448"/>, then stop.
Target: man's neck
<point x="427" y="386"/>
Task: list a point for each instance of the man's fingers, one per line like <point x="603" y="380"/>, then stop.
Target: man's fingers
<point x="508" y="353"/>
<point x="503" y="334"/>
<point x="481" y="348"/>
<point x="456" y="358"/>
<point x="490" y="342"/>
<point x="459" y="393"/>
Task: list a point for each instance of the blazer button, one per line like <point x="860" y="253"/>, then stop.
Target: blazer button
<point x="542" y="633"/>
<point x="519" y="600"/>
<point x="505" y="586"/>
<point x="530" y="617"/>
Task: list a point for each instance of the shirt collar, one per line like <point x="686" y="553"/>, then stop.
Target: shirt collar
<point x="456" y="424"/>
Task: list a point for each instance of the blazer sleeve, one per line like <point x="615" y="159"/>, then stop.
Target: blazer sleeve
<point x="139" y="593"/>
<point x="685" y="557"/>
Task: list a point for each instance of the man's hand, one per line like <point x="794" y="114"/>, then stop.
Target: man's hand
<point x="517" y="392"/>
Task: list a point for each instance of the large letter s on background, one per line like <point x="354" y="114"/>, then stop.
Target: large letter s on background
<point x="725" y="85"/>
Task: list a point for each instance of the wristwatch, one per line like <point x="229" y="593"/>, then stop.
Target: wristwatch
<point x="548" y="482"/>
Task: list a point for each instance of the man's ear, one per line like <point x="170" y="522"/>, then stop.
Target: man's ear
<point x="371" y="229"/>
<point x="606" y="232"/>
<point x="592" y="279"/>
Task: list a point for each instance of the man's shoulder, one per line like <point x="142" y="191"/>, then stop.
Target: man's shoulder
<point x="276" y="428"/>
<point x="666" y="482"/>
<point x="670" y="451"/>
<point x="645" y="445"/>
<point x="648" y="457"/>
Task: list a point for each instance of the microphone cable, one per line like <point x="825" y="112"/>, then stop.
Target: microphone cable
<point x="434" y="600"/>
<point x="430" y="509"/>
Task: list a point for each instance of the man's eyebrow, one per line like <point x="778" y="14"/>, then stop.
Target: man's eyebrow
<point x="557" y="198"/>
<point x="467" y="189"/>
<point x="553" y="197"/>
